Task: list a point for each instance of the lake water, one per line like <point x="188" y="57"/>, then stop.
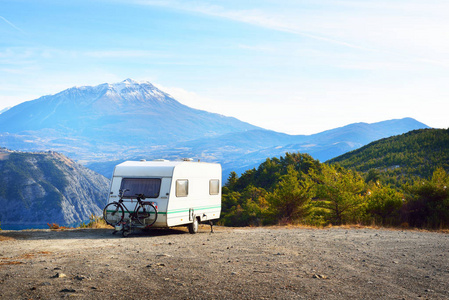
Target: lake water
<point x="22" y="227"/>
<point x="32" y="226"/>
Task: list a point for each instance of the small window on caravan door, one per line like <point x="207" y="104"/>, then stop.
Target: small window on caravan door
<point x="214" y="186"/>
<point x="182" y="188"/>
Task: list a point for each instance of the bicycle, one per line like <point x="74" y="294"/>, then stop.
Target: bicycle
<point x="144" y="214"/>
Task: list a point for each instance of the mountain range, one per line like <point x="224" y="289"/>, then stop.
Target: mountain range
<point x="105" y="124"/>
<point x="108" y="120"/>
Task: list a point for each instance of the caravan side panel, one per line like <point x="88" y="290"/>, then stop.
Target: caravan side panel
<point x="195" y="192"/>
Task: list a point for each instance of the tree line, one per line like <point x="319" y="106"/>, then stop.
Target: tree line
<point x="297" y="189"/>
<point x="399" y="158"/>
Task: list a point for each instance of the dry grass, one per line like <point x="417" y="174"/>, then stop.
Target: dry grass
<point x="28" y="255"/>
<point x="3" y="263"/>
<point x="355" y="226"/>
<point x="5" y="238"/>
<point x="16" y="260"/>
<point x="95" y="222"/>
<point x="54" y="226"/>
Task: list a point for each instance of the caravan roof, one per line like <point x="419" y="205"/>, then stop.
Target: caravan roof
<point x="142" y="168"/>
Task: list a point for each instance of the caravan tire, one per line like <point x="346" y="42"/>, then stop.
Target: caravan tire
<point x="193" y="227"/>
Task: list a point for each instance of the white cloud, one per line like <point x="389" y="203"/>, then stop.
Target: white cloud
<point x="12" y="25"/>
<point x="415" y="29"/>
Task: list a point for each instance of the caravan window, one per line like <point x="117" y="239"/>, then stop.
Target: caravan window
<point x="150" y="187"/>
<point x="214" y="186"/>
<point x="182" y="188"/>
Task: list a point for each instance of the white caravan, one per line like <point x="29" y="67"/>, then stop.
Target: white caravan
<point x="184" y="192"/>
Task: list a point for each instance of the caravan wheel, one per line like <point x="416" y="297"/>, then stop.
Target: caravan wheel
<point x="193" y="227"/>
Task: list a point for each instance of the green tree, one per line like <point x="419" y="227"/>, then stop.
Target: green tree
<point x="232" y="180"/>
<point x="428" y="201"/>
<point x="255" y="205"/>
<point x="339" y="193"/>
<point x="243" y="209"/>
<point x="229" y="198"/>
<point x="290" y="199"/>
<point x="383" y="204"/>
<point x="372" y="176"/>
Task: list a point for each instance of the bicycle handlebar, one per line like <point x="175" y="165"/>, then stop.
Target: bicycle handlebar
<point x="140" y="196"/>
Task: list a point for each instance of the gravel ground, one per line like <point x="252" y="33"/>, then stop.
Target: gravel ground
<point x="243" y="263"/>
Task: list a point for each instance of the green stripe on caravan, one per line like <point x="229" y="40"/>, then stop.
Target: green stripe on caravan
<point x="176" y="211"/>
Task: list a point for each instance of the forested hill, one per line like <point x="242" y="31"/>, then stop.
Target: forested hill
<point x="416" y="153"/>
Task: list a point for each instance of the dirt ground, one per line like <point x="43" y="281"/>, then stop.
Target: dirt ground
<point x="232" y="263"/>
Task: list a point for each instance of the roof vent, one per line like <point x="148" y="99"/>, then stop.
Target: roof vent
<point x="187" y="159"/>
<point x="143" y="160"/>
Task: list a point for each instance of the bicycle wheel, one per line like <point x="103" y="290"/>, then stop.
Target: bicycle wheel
<point x="146" y="214"/>
<point x="113" y="213"/>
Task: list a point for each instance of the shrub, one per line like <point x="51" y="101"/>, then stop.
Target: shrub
<point x="95" y="222"/>
<point x="428" y="202"/>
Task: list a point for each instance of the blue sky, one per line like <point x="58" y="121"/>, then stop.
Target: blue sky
<point x="298" y="67"/>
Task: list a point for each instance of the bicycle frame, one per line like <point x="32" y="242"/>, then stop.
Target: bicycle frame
<point x="130" y="223"/>
<point x="132" y="215"/>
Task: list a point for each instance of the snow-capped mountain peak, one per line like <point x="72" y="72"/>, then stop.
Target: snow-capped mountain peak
<point x="132" y="89"/>
<point x="126" y="91"/>
<point x="125" y="85"/>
